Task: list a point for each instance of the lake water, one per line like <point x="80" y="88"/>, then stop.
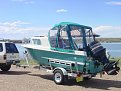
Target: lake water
<point x="21" y="51"/>
<point x="114" y="49"/>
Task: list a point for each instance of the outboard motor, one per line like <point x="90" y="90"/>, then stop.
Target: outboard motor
<point x="98" y="52"/>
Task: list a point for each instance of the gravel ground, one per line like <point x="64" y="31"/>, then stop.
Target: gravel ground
<point x="32" y="79"/>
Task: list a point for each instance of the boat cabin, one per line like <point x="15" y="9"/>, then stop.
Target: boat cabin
<point x="73" y="36"/>
<point x="66" y="35"/>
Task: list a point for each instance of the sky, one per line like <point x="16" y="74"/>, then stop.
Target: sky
<point x="26" y="18"/>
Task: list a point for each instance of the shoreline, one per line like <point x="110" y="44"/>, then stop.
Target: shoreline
<point x="102" y="40"/>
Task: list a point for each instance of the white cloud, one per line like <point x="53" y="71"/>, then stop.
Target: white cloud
<point x="108" y="31"/>
<point x="29" y="2"/>
<point x="24" y="1"/>
<point x="16" y="23"/>
<point x="23" y="29"/>
<point x="61" y="10"/>
<point x="19" y="0"/>
<point x="113" y="3"/>
<point x="18" y="27"/>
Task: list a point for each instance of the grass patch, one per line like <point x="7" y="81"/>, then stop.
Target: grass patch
<point x="31" y="62"/>
<point x="116" y="59"/>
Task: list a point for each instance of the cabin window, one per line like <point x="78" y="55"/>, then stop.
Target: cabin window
<point x="36" y="41"/>
<point x="53" y="37"/>
<point x="77" y="37"/>
<point x="63" y="40"/>
<point x="89" y="36"/>
<point x="1" y="47"/>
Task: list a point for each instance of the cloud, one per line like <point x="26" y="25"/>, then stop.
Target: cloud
<point x="29" y="2"/>
<point x="108" y="31"/>
<point x="16" y="23"/>
<point x="24" y="1"/>
<point x="19" y="0"/>
<point x="61" y="10"/>
<point x="113" y="3"/>
<point x="19" y="28"/>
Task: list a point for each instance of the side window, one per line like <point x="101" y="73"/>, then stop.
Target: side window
<point x="53" y="38"/>
<point x="36" y="41"/>
<point x="1" y="47"/>
<point x="11" y="48"/>
<point x="63" y="41"/>
<point x="77" y="37"/>
<point x="89" y="36"/>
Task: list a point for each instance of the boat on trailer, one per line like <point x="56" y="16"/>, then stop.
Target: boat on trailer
<point x="71" y="50"/>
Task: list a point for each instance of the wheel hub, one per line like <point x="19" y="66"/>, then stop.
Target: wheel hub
<point x="58" y="77"/>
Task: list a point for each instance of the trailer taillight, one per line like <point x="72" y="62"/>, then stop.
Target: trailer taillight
<point x="4" y="57"/>
<point x="79" y="74"/>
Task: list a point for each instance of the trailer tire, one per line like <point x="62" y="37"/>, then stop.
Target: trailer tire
<point x="5" y="67"/>
<point x="59" y="78"/>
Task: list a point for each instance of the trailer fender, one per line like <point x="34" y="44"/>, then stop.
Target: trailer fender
<point x="62" y="69"/>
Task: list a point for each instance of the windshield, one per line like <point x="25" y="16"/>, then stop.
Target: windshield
<point x="77" y="36"/>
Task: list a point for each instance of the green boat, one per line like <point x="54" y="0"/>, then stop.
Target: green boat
<point x="71" y="50"/>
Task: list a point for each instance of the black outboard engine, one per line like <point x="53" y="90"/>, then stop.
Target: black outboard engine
<point x="98" y="52"/>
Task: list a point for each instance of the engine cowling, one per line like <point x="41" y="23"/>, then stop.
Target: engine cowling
<point x="98" y="52"/>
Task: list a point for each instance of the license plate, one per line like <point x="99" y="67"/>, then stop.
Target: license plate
<point x="12" y="56"/>
<point x="79" y="78"/>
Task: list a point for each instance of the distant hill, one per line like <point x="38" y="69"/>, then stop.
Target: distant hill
<point x="105" y="40"/>
<point x="109" y="40"/>
<point x="11" y="40"/>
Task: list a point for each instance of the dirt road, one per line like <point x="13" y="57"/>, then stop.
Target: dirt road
<point x="31" y="79"/>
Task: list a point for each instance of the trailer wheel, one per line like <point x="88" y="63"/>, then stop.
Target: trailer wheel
<point x="5" y="67"/>
<point x="59" y="78"/>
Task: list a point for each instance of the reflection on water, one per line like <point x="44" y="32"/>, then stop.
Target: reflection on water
<point x="113" y="48"/>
